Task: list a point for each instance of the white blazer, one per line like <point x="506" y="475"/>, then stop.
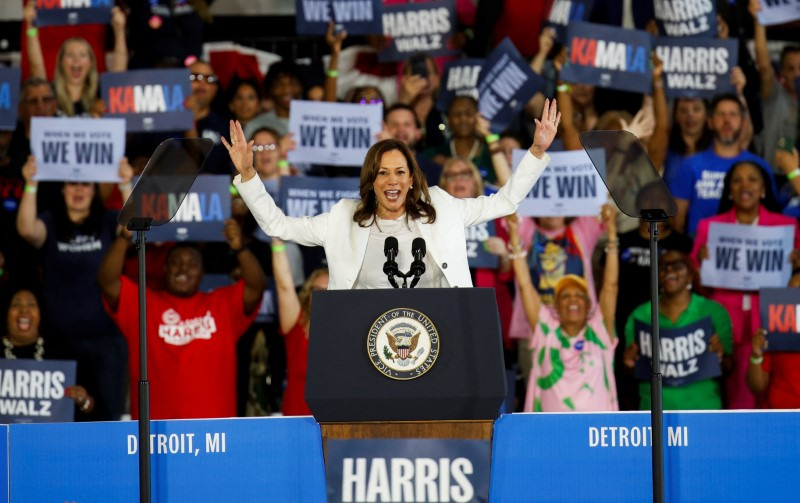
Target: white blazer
<point x="345" y="242"/>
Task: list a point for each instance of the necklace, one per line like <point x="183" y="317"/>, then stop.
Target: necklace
<point x="37" y="353"/>
<point x="474" y="150"/>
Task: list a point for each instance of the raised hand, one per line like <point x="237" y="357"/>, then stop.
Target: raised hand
<point x="546" y="128"/>
<point x="241" y="151"/>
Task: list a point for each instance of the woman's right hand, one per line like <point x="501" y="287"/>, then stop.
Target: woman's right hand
<point x="29" y="13"/>
<point x="241" y="151"/>
<point x="630" y="355"/>
<point x="29" y="171"/>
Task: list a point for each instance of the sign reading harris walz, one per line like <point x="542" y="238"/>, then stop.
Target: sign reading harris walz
<point x="696" y="68"/>
<point x="679" y="18"/>
<point x="149" y="100"/>
<point x="34" y="391"/>
<point x="418" y="27"/>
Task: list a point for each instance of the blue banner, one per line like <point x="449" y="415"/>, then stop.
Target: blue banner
<point x="685" y="354"/>
<point x="357" y="17"/>
<point x="9" y="98"/>
<point x="200" y="217"/>
<point x="678" y="18"/>
<point x="149" y="100"/>
<point x="505" y="85"/>
<point x="610" y="57"/>
<point x="696" y="68"/>
<point x="477" y="254"/>
<point x="72" y="12"/>
<point x="4" y="487"/>
<point x="564" y="12"/>
<point x="309" y="196"/>
<point x="34" y="391"/>
<point x="418" y="27"/>
<point x="408" y="469"/>
<point x="460" y="78"/>
<point x="780" y="315"/>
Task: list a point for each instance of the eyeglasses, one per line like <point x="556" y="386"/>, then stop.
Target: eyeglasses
<point x="200" y="77"/>
<point x="39" y="100"/>
<point x="459" y="175"/>
<point x="374" y="101"/>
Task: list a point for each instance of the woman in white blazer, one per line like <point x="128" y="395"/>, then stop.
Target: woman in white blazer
<point x="395" y="201"/>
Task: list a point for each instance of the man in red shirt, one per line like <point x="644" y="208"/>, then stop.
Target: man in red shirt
<point x="191" y="336"/>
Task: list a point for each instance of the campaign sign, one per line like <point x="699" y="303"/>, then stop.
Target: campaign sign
<point x="778" y="11"/>
<point x="564" y="12"/>
<point x="408" y="469"/>
<point x="780" y="315"/>
<point x="505" y="85"/>
<point x="418" y="27"/>
<point x="9" y="98"/>
<point x="357" y="17"/>
<point x="696" y="68"/>
<point x="605" y="56"/>
<point x="309" y="196"/>
<point x="200" y="217"/>
<point x="72" y="12"/>
<point x="679" y="18"/>
<point x="570" y="186"/>
<point x="77" y="149"/>
<point x="747" y="257"/>
<point x="460" y="78"/>
<point x="477" y="255"/>
<point x="33" y="391"/>
<point x="685" y="354"/>
<point x="149" y="100"/>
<point x="333" y="133"/>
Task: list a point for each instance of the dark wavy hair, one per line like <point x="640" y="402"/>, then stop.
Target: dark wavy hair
<point x="66" y="229"/>
<point x="417" y="200"/>
<point x="676" y="143"/>
<point x="770" y="202"/>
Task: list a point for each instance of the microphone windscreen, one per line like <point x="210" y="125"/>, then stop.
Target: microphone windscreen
<point x="418" y="245"/>
<point x="390" y="245"/>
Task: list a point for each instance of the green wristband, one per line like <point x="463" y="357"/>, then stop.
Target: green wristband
<point x="491" y="138"/>
<point x="332" y="73"/>
<point x="793" y="174"/>
<point x="32" y="32"/>
<point x="278" y="248"/>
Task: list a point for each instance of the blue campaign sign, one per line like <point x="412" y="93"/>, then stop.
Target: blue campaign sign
<point x="780" y="315"/>
<point x="200" y="217"/>
<point x="408" y="469"/>
<point x="505" y="85"/>
<point x="418" y="27"/>
<point x="66" y="12"/>
<point x="34" y="391"/>
<point x="685" y="353"/>
<point x="564" y="12"/>
<point x="275" y="459"/>
<point x="357" y="17"/>
<point x="310" y="196"/>
<point x="4" y="463"/>
<point x="9" y="98"/>
<point x="610" y="57"/>
<point x="677" y="18"/>
<point x="477" y="254"/>
<point x="460" y="78"/>
<point x="696" y="68"/>
<point x="149" y="100"/>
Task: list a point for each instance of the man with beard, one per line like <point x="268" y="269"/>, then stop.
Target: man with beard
<point x="697" y="186"/>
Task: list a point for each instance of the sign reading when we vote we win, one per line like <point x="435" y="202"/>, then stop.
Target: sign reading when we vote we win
<point x="778" y="11"/>
<point x="77" y="149"/>
<point x="357" y="17"/>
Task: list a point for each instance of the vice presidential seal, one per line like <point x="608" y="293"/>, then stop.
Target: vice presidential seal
<point x="403" y="344"/>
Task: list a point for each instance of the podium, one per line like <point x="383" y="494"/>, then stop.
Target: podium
<point x="368" y="377"/>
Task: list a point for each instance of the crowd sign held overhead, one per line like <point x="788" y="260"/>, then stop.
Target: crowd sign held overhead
<point x="564" y="12"/>
<point x="418" y="27"/>
<point x="77" y="149"/>
<point x="310" y="196"/>
<point x="696" y="68"/>
<point x="9" y="98"/>
<point x="460" y="78"/>
<point x="34" y="391"/>
<point x="778" y="11"/>
<point x="71" y="12"/>
<point x="605" y="56"/>
<point x="780" y="315"/>
<point x="357" y="17"/>
<point x="477" y="254"/>
<point x="200" y="217"/>
<point x="149" y="100"/>
<point x="686" y="18"/>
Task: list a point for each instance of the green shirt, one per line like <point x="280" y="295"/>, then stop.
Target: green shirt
<point x="701" y="395"/>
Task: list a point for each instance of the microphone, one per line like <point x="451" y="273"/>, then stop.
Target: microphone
<point x="390" y="250"/>
<point x="417" y="268"/>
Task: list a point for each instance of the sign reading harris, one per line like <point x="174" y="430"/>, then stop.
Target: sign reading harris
<point x="477" y="255"/>
<point x="408" y="469"/>
<point x="149" y="100"/>
<point x="679" y="18"/>
<point x="685" y="354"/>
<point x="418" y="27"/>
<point x="778" y="11"/>
<point x="333" y="133"/>
<point x="696" y="68"/>
<point x="747" y="257"/>
<point x="357" y="17"/>
<point x="309" y="196"/>
<point x="77" y="149"/>
<point x="71" y="12"/>
<point x="564" y="12"/>
<point x="200" y="217"/>
<point x="460" y="78"/>
<point x="610" y="57"/>
<point x="505" y="85"/>
<point x="780" y="315"/>
<point x="33" y="391"/>
<point x="9" y="98"/>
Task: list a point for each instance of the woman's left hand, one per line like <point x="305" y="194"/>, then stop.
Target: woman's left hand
<point x="546" y="128"/>
<point x="118" y="19"/>
<point x="82" y="398"/>
<point x="715" y="346"/>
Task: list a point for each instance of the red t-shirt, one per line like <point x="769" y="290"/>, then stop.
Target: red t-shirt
<point x="191" y="347"/>
<point x="294" y="397"/>
<point x="784" y="380"/>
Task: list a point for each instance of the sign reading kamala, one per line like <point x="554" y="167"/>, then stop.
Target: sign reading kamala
<point x="357" y="17"/>
<point x="778" y="11"/>
<point x="302" y="196"/>
<point x="149" y="100"/>
<point x="696" y="68"/>
<point x="505" y="85"/>
<point x="408" y="469"/>
<point x="201" y="216"/>
<point x="780" y="315"/>
<point x="460" y="78"/>
<point x="747" y="257"/>
<point x="608" y="57"/>
<point x="686" y="18"/>
<point x="569" y="186"/>
<point x="564" y="12"/>
<point x="477" y="254"/>
<point x="33" y="391"/>
<point x="77" y="149"/>
<point x="333" y="133"/>
<point x="418" y="27"/>
<point x="64" y="12"/>
<point x="9" y="98"/>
